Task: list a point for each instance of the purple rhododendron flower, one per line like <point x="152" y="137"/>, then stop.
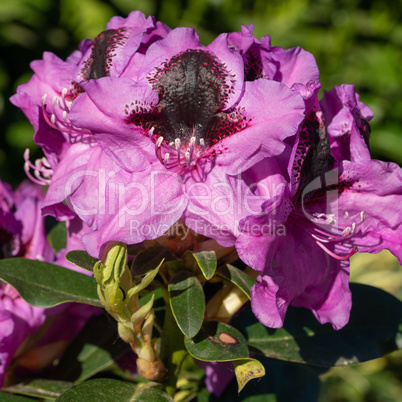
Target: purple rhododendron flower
<point x="58" y="81"/>
<point x="22" y="234"/>
<point x="155" y="127"/>
<point x="22" y="229"/>
<point x="332" y="201"/>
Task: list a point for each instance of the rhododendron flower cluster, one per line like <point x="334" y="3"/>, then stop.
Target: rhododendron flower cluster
<point x="145" y="128"/>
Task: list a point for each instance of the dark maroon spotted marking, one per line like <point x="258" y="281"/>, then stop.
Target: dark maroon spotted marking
<point x="100" y="61"/>
<point x="193" y="88"/>
<point x="104" y="46"/>
<point x="252" y="66"/>
<point x="312" y="157"/>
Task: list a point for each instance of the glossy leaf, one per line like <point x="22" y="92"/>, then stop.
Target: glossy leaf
<point x="238" y="277"/>
<point x="207" y="262"/>
<point x="5" y="397"/>
<point x="100" y="389"/>
<point x="95" y="349"/>
<point x="246" y="370"/>
<point x="46" y="285"/>
<point x="40" y="388"/>
<point x="149" y="393"/>
<point x="82" y="259"/>
<point x="374" y="329"/>
<point x="217" y="341"/>
<point x="187" y="301"/>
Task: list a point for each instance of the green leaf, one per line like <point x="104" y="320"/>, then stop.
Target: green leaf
<point x="95" y="349"/>
<point x="187" y="301"/>
<point x="5" y="397"/>
<point x="217" y="341"/>
<point x="374" y="329"/>
<point x="148" y="278"/>
<point x="148" y="392"/>
<point x="246" y="370"/>
<point x="207" y="262"/>
<point x="58" y="236"/>
<point x="237" y="277"/>
<point x="42" y="284"/>
<point x="81" y="259"/>
<point x="40" y="388"/>
<point x="100" y="389"/>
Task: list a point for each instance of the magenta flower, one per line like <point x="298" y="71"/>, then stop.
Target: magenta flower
<point x="331" y="208"/>
<point x="293" y="66"/>
<point x="23" y="234"/>
<point x="47" y="98"/>
<point x="153" y="127"/>
<point x="22" y="230"/>
<point x="177" y="132"/>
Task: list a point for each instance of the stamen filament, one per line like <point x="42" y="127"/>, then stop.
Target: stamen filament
<point x="338" y="257"/>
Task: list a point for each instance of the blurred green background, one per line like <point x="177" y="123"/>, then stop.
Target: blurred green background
<point x="354" y="41"/>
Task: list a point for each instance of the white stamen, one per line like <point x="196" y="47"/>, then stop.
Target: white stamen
<point x="151" y="132"/>
<point x="353" y="228"/>
<point x="188" y="157"/>
<point x="55" y="102"/>
<point x="202" y="143"/>
<point x="346" y="232"/>
<point x="44" y="97"/>
<point x="362" y="216"/>
<point x="330" y="219"/>
<point x="192" y="143"/>
<point x="346" y="214"/>
<point x="53" y="119"/>
<point x="166" y="159"/>
<point x="159" y="142"/>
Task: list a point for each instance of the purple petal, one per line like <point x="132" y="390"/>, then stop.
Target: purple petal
<point x="234" y="64"/>
<point x="267" y="306"/>
<point x="296" y="66"/>
<point x="66" y="178"/>
<point x="102" y="109"/>
<point x="347" y="123"/>
<point x="303" y="276"/>
<point x="178" y="40"/>
<point x="142" y="206"/>
<point x="273" y="113"/>
<point x="136" y="19"/>
<point x="372" y="198"/>
<point x="217" y="204"/>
